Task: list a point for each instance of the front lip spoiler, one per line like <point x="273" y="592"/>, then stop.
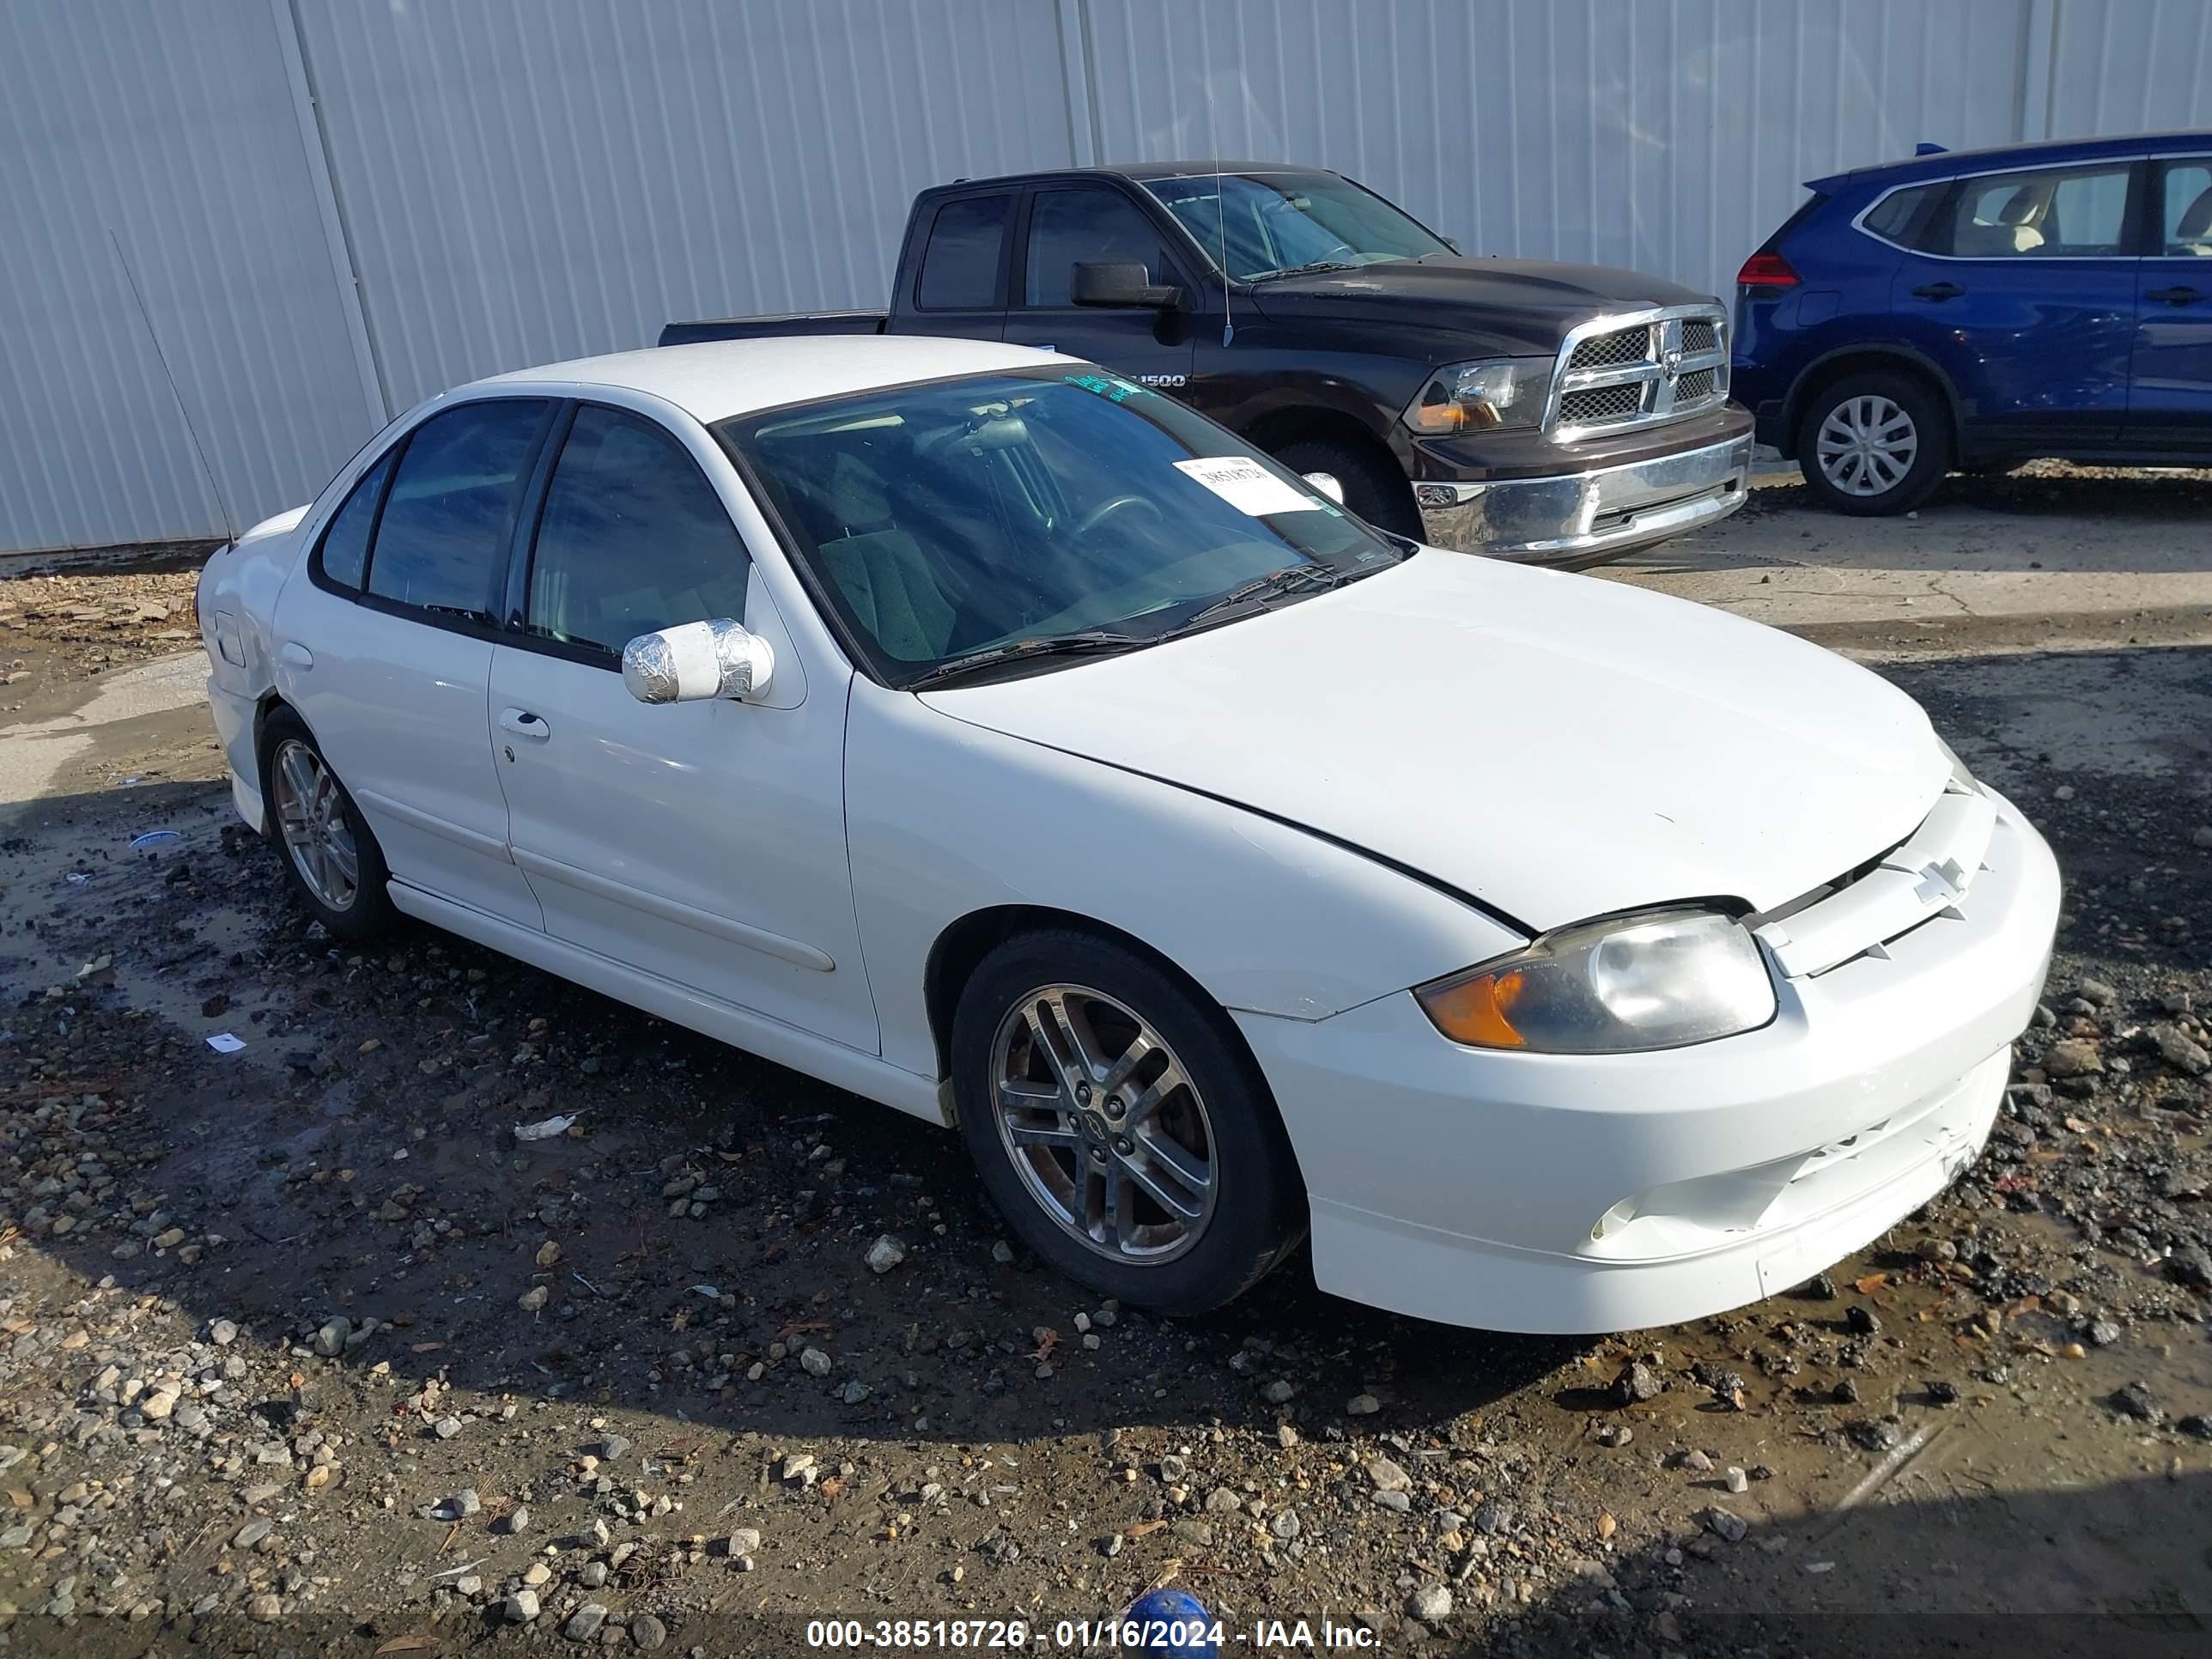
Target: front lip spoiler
<point x="1578" y="519"/>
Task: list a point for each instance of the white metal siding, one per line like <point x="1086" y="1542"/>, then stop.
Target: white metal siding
<point x="170" y="125"/>
<point x="1668" y="137"/>
<point x="530" y="182"/>
<point x="514" y="181"/>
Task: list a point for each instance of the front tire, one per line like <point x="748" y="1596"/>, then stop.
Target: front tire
<point x="330" y="852"/>
<point x="1118" y="1125"/>
<point x="1374" y="488"/>
<point x="1874" y="444"/>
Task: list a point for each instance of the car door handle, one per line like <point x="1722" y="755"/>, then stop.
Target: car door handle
<point x="2174" y="296"/>
<point x="524" y="724"/>
<point x="295" y="655"/>
<point x="1937" y="291"/>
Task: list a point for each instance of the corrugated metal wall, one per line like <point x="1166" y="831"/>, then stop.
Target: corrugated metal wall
<point x="335" y="207"/>
<point x="170" y="125"/>
<point x="1668" y="137"/>
<point x="526" y="182"/>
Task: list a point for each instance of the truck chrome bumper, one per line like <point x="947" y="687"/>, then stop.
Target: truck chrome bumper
<point x="1587" y="518"/>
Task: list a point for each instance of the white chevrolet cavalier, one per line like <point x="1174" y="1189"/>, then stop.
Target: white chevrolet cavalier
<point x="998" y="739"/>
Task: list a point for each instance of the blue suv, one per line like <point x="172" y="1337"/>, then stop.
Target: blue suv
<point x="1973" y="310"/>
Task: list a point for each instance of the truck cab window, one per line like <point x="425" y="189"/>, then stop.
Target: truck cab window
<point x="960" y="265"/>
<point x="1073" y="226"/>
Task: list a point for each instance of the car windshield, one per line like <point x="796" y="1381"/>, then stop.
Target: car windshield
<point x="1038" y="511"/>
<point x="1279" y="222"/>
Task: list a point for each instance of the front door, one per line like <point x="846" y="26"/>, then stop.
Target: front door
<point x="2024" y="294"/>
<point x="1093" y="223"/>
<point x="2170" y="406"/>
<point x="383" y="647"/>
<point x="700" y="842"/>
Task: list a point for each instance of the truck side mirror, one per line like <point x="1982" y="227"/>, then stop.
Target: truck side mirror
<point x="1112" y="282"/>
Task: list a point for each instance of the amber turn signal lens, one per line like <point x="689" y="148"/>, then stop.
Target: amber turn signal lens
<point x="1475" y="1011"/>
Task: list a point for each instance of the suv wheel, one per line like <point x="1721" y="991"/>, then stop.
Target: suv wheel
<point x="1874" y="444"/>
<point x="330" y="854"/>
<point x="1118" y="1126"/>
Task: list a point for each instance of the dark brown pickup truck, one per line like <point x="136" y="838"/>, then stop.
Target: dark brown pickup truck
<point x="1551" y="413"/>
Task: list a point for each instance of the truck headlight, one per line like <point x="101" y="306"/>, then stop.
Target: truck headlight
<point x="1662" y="979"/>
<point x="1504" y="391"/>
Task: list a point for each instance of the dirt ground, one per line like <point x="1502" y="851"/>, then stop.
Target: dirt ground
<point x="301" y="1348"/>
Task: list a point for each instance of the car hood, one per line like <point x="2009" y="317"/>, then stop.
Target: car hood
<point x="1557" y="746"/>
<point x="1522" y="304"/>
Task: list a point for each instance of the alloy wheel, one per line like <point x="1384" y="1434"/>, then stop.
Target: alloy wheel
<point x="1867" y="444"/>
<point x="310" y="812"/>
<point x="1107" y="1130"/>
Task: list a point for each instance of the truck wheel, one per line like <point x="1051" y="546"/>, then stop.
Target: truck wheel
<point x="330" y="854"/>
<point x="1874" y="444"/>
<point x="1374" y="488"/>
<point x="1119" y="1126"/>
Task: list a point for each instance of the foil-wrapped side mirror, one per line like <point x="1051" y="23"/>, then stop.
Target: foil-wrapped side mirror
<point x="695" y="661"/>
<point x="1327" y="483"/>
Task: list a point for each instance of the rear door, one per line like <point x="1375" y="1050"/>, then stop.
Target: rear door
<point x="2170" y="407"/>
<point x="959" y="283"/>
<point x="385" y="649"/>
<point x="1067" y="225"/>
<point x="2023" y="290"/>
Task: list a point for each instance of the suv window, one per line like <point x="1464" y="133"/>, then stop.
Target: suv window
<point x="1892" y="217"/>
<point x="2185" y="224"/>
<point x="444" y="532"/>
<point x="633" y="538"/>
<point x="1071" y="227"/>
<point x="960" y="264"/>
<point x="344" y="551"/>
<point x="2057" y="213"/>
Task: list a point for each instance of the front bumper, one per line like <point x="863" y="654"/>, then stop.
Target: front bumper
<point x="1577" y="518"/>
<point x="1484" y="1188"/>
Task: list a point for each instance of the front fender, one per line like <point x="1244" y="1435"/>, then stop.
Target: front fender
<point x="944" y="819"/>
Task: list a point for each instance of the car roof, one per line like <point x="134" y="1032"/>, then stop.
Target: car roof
<point x="1951" y="163"/>
<point x="1138" y="172"/>
<point x="717" y="378"/>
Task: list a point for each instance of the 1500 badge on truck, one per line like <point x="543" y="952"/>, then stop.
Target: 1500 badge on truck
<point x="1553" y="414"/>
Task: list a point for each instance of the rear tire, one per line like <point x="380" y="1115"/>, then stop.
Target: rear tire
<point x="330" y="854"/>
<point x="1374" y="488"/>
<point x="1874" y="444"/>
<point x="1119" y="1126"/>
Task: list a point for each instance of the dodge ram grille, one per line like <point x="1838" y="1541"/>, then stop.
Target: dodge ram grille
<point x="1637" y="370"/>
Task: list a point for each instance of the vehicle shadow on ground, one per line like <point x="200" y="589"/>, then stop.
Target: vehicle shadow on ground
<point x="358" y="1160"/>
<point x="2047" y="520"/>
<point x="1933" y="1563"/>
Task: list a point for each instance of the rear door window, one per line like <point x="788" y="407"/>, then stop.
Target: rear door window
<point x="960" y="262"/>
<point x="2186" y="212"/>
<point x="633" y="538"/>
<point x="443" y="538"/>
<point x="2057" y="213"/>
<point x="344" y="552"/>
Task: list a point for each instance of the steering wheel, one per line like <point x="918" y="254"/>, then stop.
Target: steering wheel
<point x="1106" y="510"/>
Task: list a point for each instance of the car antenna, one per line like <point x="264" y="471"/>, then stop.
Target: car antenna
<point x="221" y="502"/>
<point x="1220" y="212"/>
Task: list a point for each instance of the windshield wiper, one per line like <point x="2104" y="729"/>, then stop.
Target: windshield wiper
<point x="1316" y="266"/>
<point x="1089" y="642"/>
<point x="1291" y="578"/>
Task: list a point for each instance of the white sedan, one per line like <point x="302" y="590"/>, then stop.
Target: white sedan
<point x="985" y="734"/>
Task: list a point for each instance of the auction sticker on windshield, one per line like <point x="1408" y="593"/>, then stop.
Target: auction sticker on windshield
<point x="1246" y="485"/>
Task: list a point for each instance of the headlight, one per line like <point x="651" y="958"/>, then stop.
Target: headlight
<point x="1505" y="391"/>
<point x="1655" y="981"/>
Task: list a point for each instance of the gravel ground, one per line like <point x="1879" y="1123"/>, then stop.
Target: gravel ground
<point x="301" y="1346"/>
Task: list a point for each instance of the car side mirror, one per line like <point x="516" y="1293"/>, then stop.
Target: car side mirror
<point x="1111" y="282"/>
<point x="696" y="661"/>
<point x="1327" y="483"/>
<point x="1452" y="242"/>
